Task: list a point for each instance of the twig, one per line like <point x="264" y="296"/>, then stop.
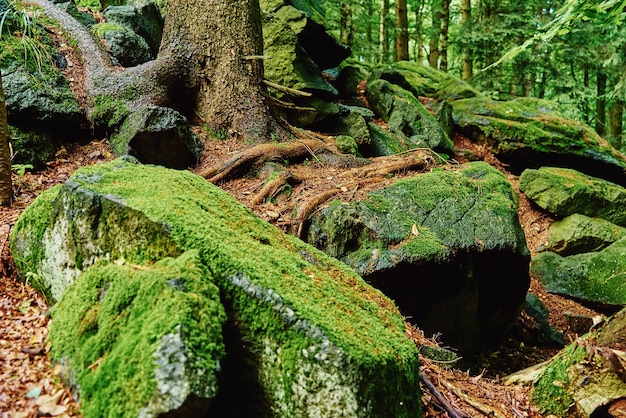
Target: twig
<point x="445" y="404"/>
<point x="483" y="409"/>
<point x="287" y="90"/>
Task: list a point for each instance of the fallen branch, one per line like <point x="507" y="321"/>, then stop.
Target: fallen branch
<point x="445" y="404"/>
<point x="287" y="90"/>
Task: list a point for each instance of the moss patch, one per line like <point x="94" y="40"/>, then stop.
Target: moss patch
<point x="140" y="339"/>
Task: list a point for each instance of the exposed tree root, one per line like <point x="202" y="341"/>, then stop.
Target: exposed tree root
<point x="311" y="205"/>
<point x="480" y="407"/>
<point x="384" y="166"/>
<point x="441" y="399"/>
<point x="272" y="187"/>
<point x="289" y="151"/>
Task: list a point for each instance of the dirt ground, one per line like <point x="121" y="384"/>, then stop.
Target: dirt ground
<point x="29" y="385"/>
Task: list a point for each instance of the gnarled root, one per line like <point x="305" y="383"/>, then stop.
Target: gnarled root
<point x="290" y="151"/>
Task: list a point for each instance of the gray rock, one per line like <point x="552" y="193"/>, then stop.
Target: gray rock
<point x="598" y="277"/>
<point x="447" y="246"/>
<point x="580" y="234"/>
<point x="127" y="48"/>
<point x="542" y="331"/>
<point x="292" y="310"/>
<point x="407" y="117"/>
<point x="156" y="135"/>
<point x="564" y="192"/>
<point x="143" y="18"/>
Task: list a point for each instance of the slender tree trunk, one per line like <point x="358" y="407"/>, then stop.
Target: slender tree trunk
<point x="402" y="31"/>
<point x="222" y="45"/>
<point x="6" y="188"/>
<point x="616" y="115"/>
<point x="345" y="35"/>
<point x="466" y="20"/>
<point x="600" y="103"/>
<point x="383" y="30"/>
<point x="419" y="35"/>
<point x="433" y="47"/>
<point x="443" y="37"/>
<point x="368" y="32"/>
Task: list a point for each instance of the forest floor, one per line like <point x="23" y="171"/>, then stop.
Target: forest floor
<point x="30" y="387"/>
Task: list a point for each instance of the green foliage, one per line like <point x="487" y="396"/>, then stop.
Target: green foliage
<point x="109" y="111"/>
<point x="20" y="169"/>
<point x="101" y="29"/>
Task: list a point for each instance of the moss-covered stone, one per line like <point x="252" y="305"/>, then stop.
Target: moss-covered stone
<point x="564" y="192"/>
<point x="322" y="342"/>
<point x="425" y="241"/>
<point x="525" y="137"/>
<point x="141" y="340"/>
<point x="407" y="117"/>
<point x="577" y="234"/>
<point x="422" y="80"/>
<point x="598" y="277"/>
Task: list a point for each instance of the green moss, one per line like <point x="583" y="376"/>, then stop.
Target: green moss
<point x="113" y="323"/>
<point x="35" y="219"/>
<point x="551" y="393"/>
<point x="101" y="29"/>
<point x="109" y="111"/>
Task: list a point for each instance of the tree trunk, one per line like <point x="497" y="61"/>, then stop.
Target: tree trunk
<point x="433" y="47"/>
<point x="402" y="31"/>
<point x="419" y="35"/>
<point x="615" y="123"/>
<point x="345" y="34"/>
<point x="6" y="188"/>
<point x="383" y="32"/>
<point x="443" y="39"/>
<point x="368" y="32"/>
<point x="222" y="45"/>
<point x="466" y="20"/>
<point x="600" y="103"/>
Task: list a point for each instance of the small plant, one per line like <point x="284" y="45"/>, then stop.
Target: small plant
<point x="221" y="134"/>
<point x="20" y="169"/>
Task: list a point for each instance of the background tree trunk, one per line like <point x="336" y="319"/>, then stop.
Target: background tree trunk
<point x="383" y="32"/>
<point x="615" y="123"/>
<point x="402" y="31"/>
<point x="600" y="103"/>
<point x="443" y="37"/>
<point x="466" y="18"/>
<point x="220" y="41"/>
<point x="433" y="47"/>
<point x="345" y="34"/>
<point x="6" y="188"/>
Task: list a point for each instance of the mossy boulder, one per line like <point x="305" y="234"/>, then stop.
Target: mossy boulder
<point x="577" y="234"/>
<point x="305" y="335"/>
<point x="598" y="277"/>
<point x="584" y="378"/>
<point x="32" y="146"/>
<point x="141" y="340"/>
<point x="156" y="135"/>
<point x="526" y="138"/>
<point x="564" y="192"/>
<point x="142" y="18"/>
<point x="407" y="117"/>
<point x="424" y="81"/>
<point x="447" y="246"/>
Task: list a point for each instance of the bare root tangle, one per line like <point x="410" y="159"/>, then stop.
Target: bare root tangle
<point x="289" y="151"/>
<point x="384" y="166"/>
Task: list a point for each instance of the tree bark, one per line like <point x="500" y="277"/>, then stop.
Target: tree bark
<point x="466" y="20"/>
<point x="433" y="47"/>
<point x="223" y="43"/>
<point x="383" y="32"/>
<point x="345" y="34"/>
<point x="600" y="103"/>
<point x="615" y="123"/>
<point x="402" y="31"/>
<point x="6" y="188"/>
<point x="443" y="37"/>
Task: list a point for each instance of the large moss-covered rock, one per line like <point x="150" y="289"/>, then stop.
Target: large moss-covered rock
<point x="526" y="138"/>
<point x="141" y="340"/>
<point x="425" y="81"/>
<point x="580" y="234"/>
<point x="598" y="277"/>
<point x="564" y="192"/>
<point x="306" y="335"/>
<point x="447" y="246"/>
<point x="407" y="117"/>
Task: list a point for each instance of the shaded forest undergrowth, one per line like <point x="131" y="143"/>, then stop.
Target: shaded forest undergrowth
<point x="28" y="383"/>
